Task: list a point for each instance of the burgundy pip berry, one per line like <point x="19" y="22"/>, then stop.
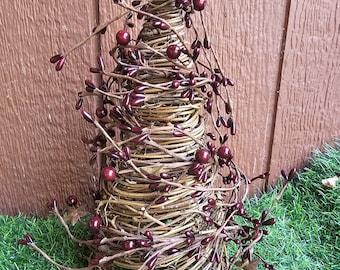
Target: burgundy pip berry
<point x="95" y="223"/>
<point x="199" y="5"/>
<point x="22" y="242"/>
<point x="123" y="37"/>
<point x="60" y="64"/>
<point x="101" y="112"/>
<point x="109" y="174"/>
<point x="55" y="58"/>
<point x="202" y="156"/>
<point x="173" y="51"/>
<point x="224" y="152"/>
<point x="72" y="200"/>
<point x="129" y="245"/>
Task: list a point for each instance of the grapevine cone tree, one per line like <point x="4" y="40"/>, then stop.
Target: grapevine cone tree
<point x="169" y="195"/>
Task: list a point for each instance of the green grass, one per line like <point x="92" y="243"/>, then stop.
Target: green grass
<point x="306" y="235"/>
<point x="47" y="233"/>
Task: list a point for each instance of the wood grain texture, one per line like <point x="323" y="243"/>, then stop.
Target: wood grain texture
<point x="247" y="36"/>
<point x="42" y="156"/>
<point x="308" y="109"/>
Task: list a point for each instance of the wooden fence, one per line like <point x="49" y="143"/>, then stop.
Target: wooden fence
<point x="283" y="54"/>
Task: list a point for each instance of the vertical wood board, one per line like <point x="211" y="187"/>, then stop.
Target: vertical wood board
<point x="308" y="109"/>
<point x="248" y="36"/>
<point x="42" y="154"/>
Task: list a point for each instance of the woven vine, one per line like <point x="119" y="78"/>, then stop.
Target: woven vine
<point x="170" y="195"/>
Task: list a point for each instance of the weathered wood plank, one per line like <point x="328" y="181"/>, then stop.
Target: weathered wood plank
<point x="42" y="154"/>
<point x="308" y="109"/>
<point x="248" y="36"/>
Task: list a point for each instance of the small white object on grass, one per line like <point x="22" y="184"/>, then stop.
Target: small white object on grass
<point x="331" y="182"/>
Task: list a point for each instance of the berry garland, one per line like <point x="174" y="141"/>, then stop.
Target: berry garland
<point x="162" y="204"/>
